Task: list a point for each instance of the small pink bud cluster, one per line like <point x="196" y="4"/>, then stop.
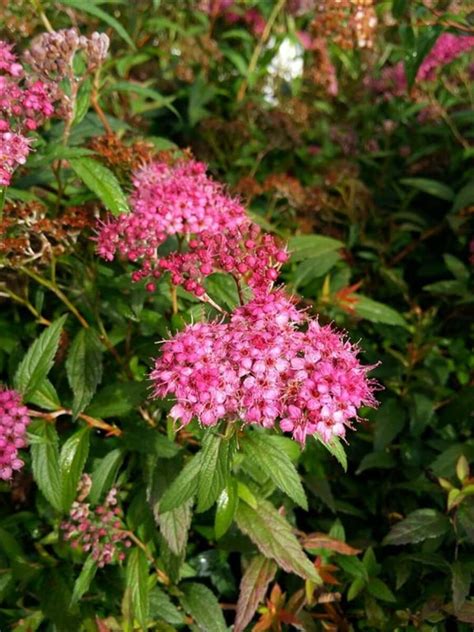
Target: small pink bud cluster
<point x="243" y="252"/>
<point x="14" y="420"/>
<point x="100" y="532"/>
<point x="167" y="200"/>
<point x="268" y="364"/>
<point x="24" y="105"/>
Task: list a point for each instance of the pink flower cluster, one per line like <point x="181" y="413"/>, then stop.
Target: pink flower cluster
<point x="99" y="532"/>
<point x="182" y="200"/>
<point x="447" y="48"/>
<point x="269" y="364"/>
<point x="167" y="200"/>
<point x="23" y="107"/>
<point x="13" y="423"/>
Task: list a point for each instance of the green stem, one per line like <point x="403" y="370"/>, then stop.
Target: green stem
<point x="59" y="293"/>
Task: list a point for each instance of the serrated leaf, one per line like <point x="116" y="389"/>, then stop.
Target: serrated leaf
<point x="253" y="586"/>
<point x="39" y="359"/>
<point x="71" y="464"/>
<point x="419" y="525"/>
<point x="201" y="603"/>
<point x="276" y="463"/>
<point x="45" y="461"/>
<point x="389" y="422"/>
<point x="226" y="508"/>
<point x="162" y="608"/>
<point x="183" y="487"/>
<point x="117" y="400"/>
<point x="376" y="312"/>
<point x="84" y="368"/>
<point x="307" y="246"/>
<point x="214" y="470"/>
<point x="45" y="396"/>
<point x="174" y="526"/>
<point x="137" y="584"/>
<point x="83" y="582"/>
<point x="103" y="476"/>
<point x="273" y="536"/>
<point x="335" y="448"/>
<point x="101" y="181"/>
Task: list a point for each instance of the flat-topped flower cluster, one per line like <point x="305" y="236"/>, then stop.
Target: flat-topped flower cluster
<point x="267" y="362"/>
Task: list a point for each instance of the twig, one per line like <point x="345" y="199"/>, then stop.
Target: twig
<point x="90" y="421"/>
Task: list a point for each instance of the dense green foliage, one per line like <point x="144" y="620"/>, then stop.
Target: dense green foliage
<point x="374" y="194"/>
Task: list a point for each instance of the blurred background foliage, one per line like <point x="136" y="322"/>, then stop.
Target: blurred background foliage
<point x="295" y="106"/>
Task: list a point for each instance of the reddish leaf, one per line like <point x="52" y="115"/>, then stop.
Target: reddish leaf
<point x="253" y="587"/>
<point x="323" y="541"/>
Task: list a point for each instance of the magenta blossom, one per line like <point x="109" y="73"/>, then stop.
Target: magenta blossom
<point x="268" y="365"/>
<point x="167" y="200"/>
<point x="14" y="421"/>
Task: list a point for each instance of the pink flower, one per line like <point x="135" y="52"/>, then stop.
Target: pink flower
<point x="14" y="420"/>
<point x="269" y="364"/>
<point x="14" y="149"/>
<point x="447" y="48"/>
<point x="8" y="61"/>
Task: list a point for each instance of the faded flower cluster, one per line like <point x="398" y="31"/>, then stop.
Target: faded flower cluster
<point x="14" y="421"/>
<point x="99" y="531"/>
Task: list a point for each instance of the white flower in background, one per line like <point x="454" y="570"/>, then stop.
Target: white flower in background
<point x="286" y="65"/>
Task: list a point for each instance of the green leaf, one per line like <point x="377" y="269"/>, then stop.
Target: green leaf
<point x="432" y="187"/>
<point x="253" y="586"/>
<point x="71" y="464"/>
<point x="174" y="526"/>
<point x="117" y="400"/>
<point x="456" y="267"/>
<point x="376" y="460"/>
<point x="419" y="525"/>
<point x="104" y="475"/>
<point x="276" y="463"/>
<point x="315" y="267"/>
<point x="226" y="508"/>
<point x="336" y="448"/>
<point x="199" y="602"/>
<point x="137" y="584"/>
<point x="84" y="368"/>
<point x="376" y="312"/>
<point x="464" y="197"/>
<point x="39" y="359"/>
<point x="389" y="422"/>
<point x="307" y="246"/>
<point x="101" y="181"/>
<point x="92" y="9"/>
<point x="184" y="486"/>
<point x="45" y="396"/>
<point x="460" y="583"/>
<point x="379" y="589"/>
<point x="45" y="461"/>
<point x="162" y="608"/>
<point x="216" y="458"/>
<point x="83" y="101"/>
<point x="82" y="583"/>
<point x="274" y="537"/>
